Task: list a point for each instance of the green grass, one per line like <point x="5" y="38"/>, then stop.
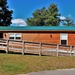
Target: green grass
<point x="12" y="64"/>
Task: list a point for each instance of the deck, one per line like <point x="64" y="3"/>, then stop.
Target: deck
<point x="36" y="48"/>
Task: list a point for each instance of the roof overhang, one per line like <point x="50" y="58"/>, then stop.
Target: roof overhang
<point x="28" y="31"/>
<point x="37" y="29"/>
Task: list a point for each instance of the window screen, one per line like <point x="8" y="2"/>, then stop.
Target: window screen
<point x="64" y="42"/>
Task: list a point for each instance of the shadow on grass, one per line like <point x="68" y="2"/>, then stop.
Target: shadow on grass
<point x="19" y="53"/>
<point x="2" y="51"/>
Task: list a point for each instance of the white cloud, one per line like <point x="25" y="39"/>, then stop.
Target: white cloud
<point x="19" y="22"/>
<point x="62" y="18"/>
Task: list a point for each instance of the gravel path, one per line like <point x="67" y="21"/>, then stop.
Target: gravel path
<point x="54" y="72"/>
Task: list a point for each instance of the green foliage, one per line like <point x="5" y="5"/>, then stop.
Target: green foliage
<point x="5" y="14"/>
<point x="44" y="17"/>
<point x="68" y="22"/>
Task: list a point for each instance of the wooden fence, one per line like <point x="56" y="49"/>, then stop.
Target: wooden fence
<point x="36" y="47"/>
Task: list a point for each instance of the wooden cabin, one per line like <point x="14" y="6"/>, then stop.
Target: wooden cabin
<point x="46" y="34"/>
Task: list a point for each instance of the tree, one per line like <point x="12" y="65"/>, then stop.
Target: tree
<point x="68" y="22"/>
<point x="38" y="18"/>
<point x="5" y="14"/>
<point x="53" y="18"/>
<point x="45" y="17"/>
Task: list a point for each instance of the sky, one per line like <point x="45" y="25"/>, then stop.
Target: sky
<point x="23" y="9"/>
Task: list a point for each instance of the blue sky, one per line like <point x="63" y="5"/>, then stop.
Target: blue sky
<point x="24" y="8"/>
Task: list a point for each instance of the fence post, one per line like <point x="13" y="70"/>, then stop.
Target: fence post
<point x="23" y="48"/>
<point x="70" y="51"/>
<point x="40" y="49"/>
<point x="7" y="47"/>
<point x="74" y="51"/>
<point x="57" y="50"/>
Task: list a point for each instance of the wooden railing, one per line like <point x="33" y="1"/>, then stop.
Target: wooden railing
<point x="35" y="47"/>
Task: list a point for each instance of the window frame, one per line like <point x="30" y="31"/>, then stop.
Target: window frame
<point x="18" y="36"/>
<point x="64" y="39"/>
<point x="14" y="35"/>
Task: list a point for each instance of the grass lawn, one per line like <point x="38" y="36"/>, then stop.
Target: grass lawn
<point x="12" y="64"/>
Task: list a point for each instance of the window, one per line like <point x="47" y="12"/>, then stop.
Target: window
<point x="63" y="39"/>
<point x="11" y="36"/>
<point x="18" y="36"/>
<point x="15" y="36"/>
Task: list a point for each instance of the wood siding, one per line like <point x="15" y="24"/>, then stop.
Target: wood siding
<point x="53" y="38"/>
<point x="71" y="39"/>
<point x="5" y="35"/>
<point x="42" y="37"/>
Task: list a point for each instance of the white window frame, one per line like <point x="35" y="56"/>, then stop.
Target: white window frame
<point x="64" y="39"/>
<point x="14" y="35"/>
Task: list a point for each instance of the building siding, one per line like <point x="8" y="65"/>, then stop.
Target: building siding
<point x="71" y="39"/>
<point x="42" y="37"/>
<point x="5" y="35"/>
<point x="53" y="38"/>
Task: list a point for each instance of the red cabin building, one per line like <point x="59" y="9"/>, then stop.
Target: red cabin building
<point x="46" y="34"/>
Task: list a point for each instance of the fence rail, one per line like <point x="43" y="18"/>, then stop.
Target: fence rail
<point x="36" y="47"/>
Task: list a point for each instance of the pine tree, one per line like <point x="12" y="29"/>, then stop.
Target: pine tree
<point x="5" y="14"/>
<point x="53" y="16"/>
<point x="68" y="22"/>
<point x="45" y="17"/>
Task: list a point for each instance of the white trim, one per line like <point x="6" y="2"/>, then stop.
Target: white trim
<point x="18" y="35"/>
<point x="65" y="39"/>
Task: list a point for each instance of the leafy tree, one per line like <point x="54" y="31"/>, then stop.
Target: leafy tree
<point x="5" y="14"/>
<point x="68" y="22"/>
<point x="45" y="17"/>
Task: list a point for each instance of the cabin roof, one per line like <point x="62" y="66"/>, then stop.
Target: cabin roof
<point x="42" y="28"/>
<point x="37" y="28"/>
